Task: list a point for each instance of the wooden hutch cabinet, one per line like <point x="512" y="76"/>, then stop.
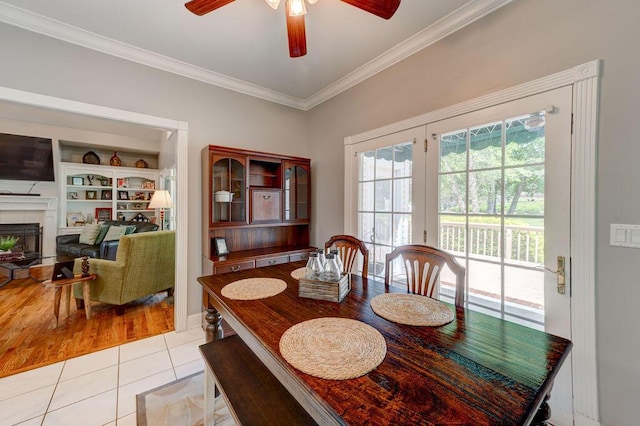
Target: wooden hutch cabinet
<point x="259" y="203"/>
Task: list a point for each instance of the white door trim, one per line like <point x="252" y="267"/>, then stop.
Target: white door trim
<point x="181" y="127"/>
<point x="585" y="80"/>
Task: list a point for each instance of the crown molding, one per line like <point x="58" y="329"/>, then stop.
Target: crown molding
<point x="458" y="19"/>
<point x="68" y="33"/>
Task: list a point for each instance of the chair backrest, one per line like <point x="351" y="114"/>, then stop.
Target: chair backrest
<point x="423" y="265"/>
<point x="348" y="247"/>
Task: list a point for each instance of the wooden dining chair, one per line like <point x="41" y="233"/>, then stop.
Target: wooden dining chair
<point x="423" y="265"/>
<point x="348" y="247"/>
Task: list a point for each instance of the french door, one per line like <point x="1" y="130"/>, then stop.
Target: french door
<point x="390" y="174"/>
<point x="498" y="197"/>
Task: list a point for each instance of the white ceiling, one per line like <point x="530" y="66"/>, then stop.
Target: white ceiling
<point x="243" y="45"/>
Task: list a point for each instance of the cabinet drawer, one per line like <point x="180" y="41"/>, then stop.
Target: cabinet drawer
<point x="299" y="256"/>
<point x="265" y="205"/>
<point x="272" y="261"/>
<point x="234" y="267"/>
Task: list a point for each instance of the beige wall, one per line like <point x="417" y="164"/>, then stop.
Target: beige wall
<point x="524" y="40"/>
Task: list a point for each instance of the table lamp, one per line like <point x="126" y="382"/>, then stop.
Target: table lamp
<point x="161" y="199"/>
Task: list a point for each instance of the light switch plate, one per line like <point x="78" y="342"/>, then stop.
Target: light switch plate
<point x="624" y="235"/>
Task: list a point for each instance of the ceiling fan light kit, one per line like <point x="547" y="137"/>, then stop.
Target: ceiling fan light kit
<point x="273" y="3"/>
<point x="296" y="7"/>
<point x="295" y="11"/>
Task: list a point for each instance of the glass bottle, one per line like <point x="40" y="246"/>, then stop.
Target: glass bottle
<point x="331" y="269"/>
<point x="321" y="257"/>
<point x="336" y="256"/>
<point x="314" y="267"/>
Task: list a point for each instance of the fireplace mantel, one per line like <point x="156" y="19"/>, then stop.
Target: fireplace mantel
<point x="27" y="202"/>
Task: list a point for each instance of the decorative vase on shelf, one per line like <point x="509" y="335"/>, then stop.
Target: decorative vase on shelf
<point x="141" y="164"/>
<point x="115" y="160"/>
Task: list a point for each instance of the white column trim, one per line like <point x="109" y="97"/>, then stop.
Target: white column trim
<point x="182" y="228"/>
<point x="583" y="245"/>
<point x="585" y="79"/>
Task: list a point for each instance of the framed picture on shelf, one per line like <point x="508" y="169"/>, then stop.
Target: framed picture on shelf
<point x="123" y="206"/>
<point x="91" y="195"/>
<point x="221" y="246"/>
<point x="123" y="195"/>
<point x="148" y="184"/>
<point x="138" y="206"/>
<point x="103" y="214"/>
<point x="106" y="194"/>
<point x="77" y="181"/>
<point x="75" y="219"/>
<point x="123" y="183"/>
<point x="73" y="195"/>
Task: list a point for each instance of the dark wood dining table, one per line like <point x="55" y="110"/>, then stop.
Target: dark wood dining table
<point x="476" y="370"/>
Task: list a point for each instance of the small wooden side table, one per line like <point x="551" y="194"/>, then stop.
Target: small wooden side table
<point x="65" y="286"/>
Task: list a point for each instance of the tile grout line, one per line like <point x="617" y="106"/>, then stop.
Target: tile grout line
<point x="117" y="386"/>
<point x="46" y="410"/>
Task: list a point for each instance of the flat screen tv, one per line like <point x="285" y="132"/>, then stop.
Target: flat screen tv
<point x="26" y="158"/>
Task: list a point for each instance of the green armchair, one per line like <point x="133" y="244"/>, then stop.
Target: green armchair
<point x="145" y="264"/>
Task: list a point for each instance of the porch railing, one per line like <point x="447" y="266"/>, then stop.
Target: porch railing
<point x="522" y="244"/>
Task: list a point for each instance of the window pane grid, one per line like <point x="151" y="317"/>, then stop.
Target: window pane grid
<point x="491" y="214"/>
<point x="385" y="201"/>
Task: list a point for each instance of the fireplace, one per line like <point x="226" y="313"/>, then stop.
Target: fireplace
<point x="17" y="209"/>
<point x="29" y="237"/>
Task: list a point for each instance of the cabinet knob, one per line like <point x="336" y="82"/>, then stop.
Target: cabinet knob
<point x="235" y="268"/>
<point x="266" y="197"/>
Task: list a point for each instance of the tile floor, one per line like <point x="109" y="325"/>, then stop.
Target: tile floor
<point x="99" y="388"/>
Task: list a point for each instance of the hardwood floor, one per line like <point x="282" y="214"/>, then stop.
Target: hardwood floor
<point x="29" y="338"/>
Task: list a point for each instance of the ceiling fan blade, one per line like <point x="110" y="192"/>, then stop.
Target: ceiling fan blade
<point x="297" y="35"/>
<point x="382" y="8"/>
<point x="201" y="7"/>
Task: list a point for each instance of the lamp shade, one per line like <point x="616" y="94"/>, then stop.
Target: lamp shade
<point x="161" y="200"/>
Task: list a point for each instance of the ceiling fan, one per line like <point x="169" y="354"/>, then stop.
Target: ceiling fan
<point x="295" y="11"/>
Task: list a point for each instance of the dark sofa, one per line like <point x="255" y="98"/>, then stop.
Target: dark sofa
<point x="68" y="247"/>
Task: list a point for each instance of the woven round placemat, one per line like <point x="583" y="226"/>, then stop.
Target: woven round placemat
<point x="411" y="309"/>
<point x="333" y="348"/>
<point x="298" y="273"/>
<point x="253" y="288"/>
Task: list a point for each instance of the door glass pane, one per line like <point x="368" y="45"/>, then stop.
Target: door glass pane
<point x="366" y="194"/>
<point x="492" y="215"/>
<point x="485" y="192"/>
<point x="525" y="140"/>
<point x="288" y="201"/>
<point x="384" y="163"/>
<point x="402" y="195"/>
<point x="402" y="229"/>
<point x="367" y="166"/>
<point x="365" y="227"/>
<point x="402" y="160"/>
<point x="302" y="193"/>
<point x="383" y="195"/>
<point x="383" y="231"/>
<point x="486" y="146"/>
<point x="453" y="151"/>
<point x="524" y="191"/>
<point x="453" y="193"/>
